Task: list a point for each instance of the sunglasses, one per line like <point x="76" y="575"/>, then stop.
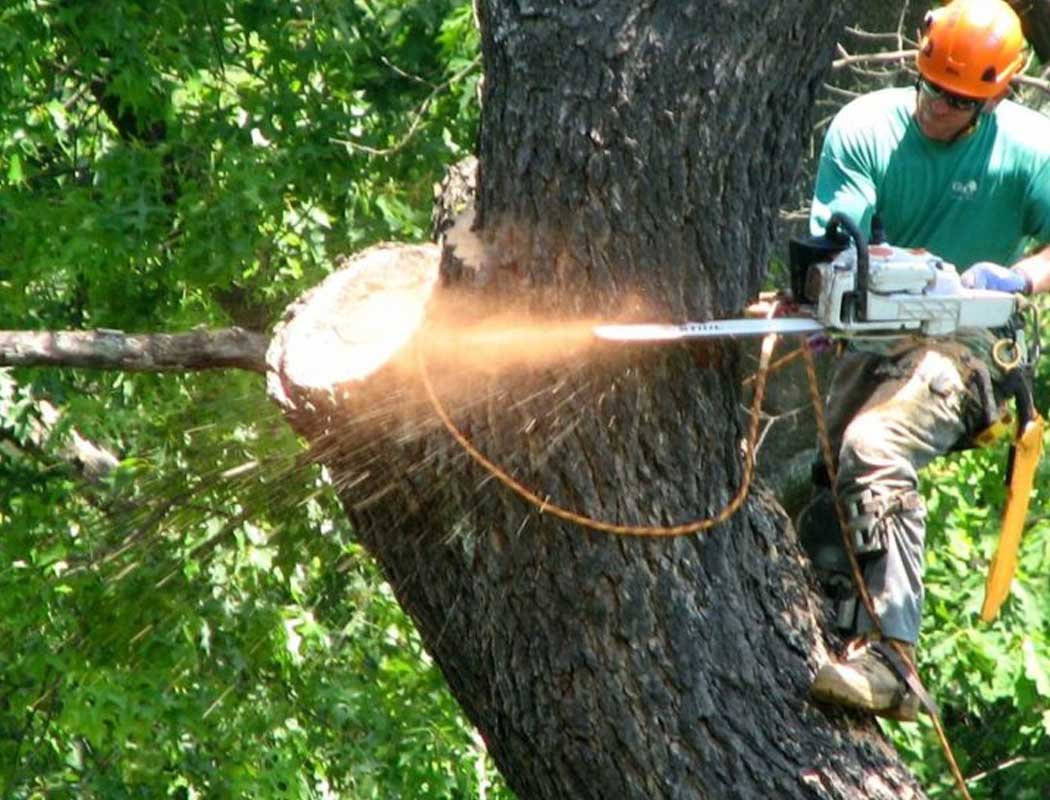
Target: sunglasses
<point x="956" y="101"/>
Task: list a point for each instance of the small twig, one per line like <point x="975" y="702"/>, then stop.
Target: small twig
<point x="997" y="768"/>
<point x="399" y="71"/>
<point x="1038" y="83"/>
<point x="417" y="118"/>
<point x="860" y="33"/>
<point x="873" y="58"/>
<point x="795" y="215"/>
<point x="844" y="93"/>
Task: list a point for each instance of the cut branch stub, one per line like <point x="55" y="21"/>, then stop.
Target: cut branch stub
<point x="351" y="326"/>
<point x="357" y="328"/>
<point x="342" y="368"/>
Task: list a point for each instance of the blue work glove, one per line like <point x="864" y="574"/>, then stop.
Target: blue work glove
<point x="988" y="275"/>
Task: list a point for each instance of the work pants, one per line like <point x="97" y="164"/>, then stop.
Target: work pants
<point x="888" y="416"/>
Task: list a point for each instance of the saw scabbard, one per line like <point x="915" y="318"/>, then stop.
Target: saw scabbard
<point x="1025" y="453"/>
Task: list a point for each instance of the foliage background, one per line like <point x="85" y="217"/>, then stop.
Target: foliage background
<point x="197" y="621"/>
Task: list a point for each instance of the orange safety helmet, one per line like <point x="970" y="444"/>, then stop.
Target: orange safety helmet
<point x="972" y="47"/>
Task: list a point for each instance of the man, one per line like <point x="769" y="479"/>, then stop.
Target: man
<point x="955" y="168"/>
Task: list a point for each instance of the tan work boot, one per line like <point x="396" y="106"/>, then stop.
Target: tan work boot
<point x="864" y="680"/>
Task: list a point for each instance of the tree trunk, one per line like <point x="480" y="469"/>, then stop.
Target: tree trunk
<point x="1035" y="18"/>
<point x="633" y="155"/>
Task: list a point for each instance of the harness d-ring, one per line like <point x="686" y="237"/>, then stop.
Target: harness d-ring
<point x="1007" y="354"/>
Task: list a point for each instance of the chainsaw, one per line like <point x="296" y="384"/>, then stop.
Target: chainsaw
<point x="844" y="287"/>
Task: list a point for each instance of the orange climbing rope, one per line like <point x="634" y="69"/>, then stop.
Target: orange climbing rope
<point x="545" y="506"/>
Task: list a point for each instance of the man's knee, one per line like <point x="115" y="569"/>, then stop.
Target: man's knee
<point x="868" y="446"/>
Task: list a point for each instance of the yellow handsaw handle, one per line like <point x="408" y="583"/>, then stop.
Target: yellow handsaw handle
<point x="1027" y="450"/>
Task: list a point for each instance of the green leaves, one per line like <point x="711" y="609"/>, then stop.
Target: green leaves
<point x="991" y="681"/>
<point x="180" y="143"/>
<point x="197" y="621"/>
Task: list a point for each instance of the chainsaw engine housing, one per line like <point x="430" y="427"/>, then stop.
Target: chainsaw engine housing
<point x="909" y="291"/>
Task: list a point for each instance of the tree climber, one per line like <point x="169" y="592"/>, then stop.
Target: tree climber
<point x="954" y="167"/>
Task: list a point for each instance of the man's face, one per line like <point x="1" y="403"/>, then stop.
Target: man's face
<point x="942" y="115"/>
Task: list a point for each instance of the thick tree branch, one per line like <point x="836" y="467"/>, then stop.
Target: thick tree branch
<point x="116" y="350"/>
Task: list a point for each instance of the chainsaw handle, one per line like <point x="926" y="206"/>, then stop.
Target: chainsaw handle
<point x="850" y="230"/>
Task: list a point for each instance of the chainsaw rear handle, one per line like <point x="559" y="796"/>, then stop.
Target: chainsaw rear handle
<point x="842" y="228"/>
<point x="805" y="251"/>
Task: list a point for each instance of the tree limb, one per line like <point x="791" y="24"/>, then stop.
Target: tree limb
<point x="116" y="350"/>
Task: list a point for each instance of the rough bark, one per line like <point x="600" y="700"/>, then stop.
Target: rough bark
<point x="632" y="155"/>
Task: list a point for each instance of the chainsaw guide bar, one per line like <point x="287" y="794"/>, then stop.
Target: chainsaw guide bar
<point x="656" y="332"/>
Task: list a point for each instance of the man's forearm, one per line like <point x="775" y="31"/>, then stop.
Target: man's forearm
<point x="1037" y="268"/>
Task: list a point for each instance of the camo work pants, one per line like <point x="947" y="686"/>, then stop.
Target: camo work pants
<point x="889" y="415"/>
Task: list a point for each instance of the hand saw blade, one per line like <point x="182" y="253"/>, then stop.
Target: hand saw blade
<point x="712" y="329"/>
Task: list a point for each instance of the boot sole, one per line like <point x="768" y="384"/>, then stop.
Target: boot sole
<point x="840" y="694"/>
<point x="904" y="711"/>
<point x="907" y="710"/>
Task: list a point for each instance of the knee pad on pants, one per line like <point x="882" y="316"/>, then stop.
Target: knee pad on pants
<point x="867" y="514"/>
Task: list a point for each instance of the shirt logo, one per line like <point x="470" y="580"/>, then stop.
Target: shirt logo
<point x="964" y="190"/>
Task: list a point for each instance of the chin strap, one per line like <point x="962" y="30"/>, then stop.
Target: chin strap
<point x="971" y="126"/>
